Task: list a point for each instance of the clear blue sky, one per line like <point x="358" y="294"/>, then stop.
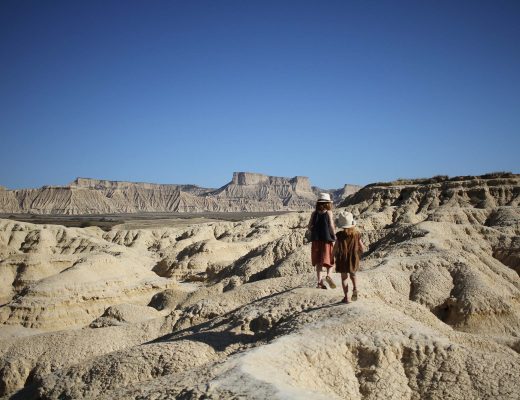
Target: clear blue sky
<point x="190" y="91"/>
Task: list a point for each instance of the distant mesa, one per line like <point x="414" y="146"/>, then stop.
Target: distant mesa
<point x="247" y="192"/>
<point x="301" y="183"/>
<point x="248" y="178"/>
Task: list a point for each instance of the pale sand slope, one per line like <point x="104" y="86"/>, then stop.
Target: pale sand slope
<point x="438" y="315"/>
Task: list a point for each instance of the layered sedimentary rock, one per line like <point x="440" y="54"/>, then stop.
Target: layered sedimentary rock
<point x="53" y="277"/>
<point x="264" y="193"/>
<point x="231" y="310"/>
<point x="246" y="192"/>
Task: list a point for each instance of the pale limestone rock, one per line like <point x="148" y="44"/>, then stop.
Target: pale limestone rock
<point x="438" y="313"/>
<point x="246" y="192"/>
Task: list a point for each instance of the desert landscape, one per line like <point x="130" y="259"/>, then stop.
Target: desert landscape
<point x="160" y="166"/>
<point x="159" y="307"/>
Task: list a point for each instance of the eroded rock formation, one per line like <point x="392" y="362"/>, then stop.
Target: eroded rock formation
<point x="246" y="192"/>
<point x="229" y="309"/>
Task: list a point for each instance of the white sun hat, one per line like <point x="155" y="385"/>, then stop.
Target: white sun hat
<point x="346" y="220"/>
<point x="324" y="198"/>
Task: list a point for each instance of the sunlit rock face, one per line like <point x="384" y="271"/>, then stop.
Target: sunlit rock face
<point x="246" y="192"/>
<point x="230" y="310"/>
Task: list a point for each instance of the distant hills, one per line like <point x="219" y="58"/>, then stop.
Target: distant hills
<point x="246" y="192"/>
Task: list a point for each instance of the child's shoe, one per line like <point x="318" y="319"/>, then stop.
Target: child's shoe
<point x="354" y="295"/>
<point x="321" y="285"/>
<point x="330" y="282"/>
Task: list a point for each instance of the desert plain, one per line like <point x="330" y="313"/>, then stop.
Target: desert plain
<point x="208" y="308"/>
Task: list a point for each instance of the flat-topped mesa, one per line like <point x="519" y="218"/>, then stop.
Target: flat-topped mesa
<point x="298" y="183"/>
<point x="249" y="178"/>
<point x="301" y="184"/>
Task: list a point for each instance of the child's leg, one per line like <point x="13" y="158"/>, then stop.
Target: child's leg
<point x="318" y="274"/>
<point x="329" y="279"/>
<point x="354" y="289"/>
<point x="344" y="283"/>
<point x="328" y="270"/>
<point x="354" y="281"/>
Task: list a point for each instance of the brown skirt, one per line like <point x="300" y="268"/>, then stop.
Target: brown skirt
<point x="321" y="253"/>
<point x="348" y="264"/>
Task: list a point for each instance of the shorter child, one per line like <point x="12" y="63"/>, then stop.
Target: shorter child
<point x="347" y="252"/>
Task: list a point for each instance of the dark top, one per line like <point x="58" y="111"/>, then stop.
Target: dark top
<point x="321" y="227"/>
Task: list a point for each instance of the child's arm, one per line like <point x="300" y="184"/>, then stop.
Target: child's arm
<point x="361" y="245"/>
<point x="332" y="225"/>
<point x="335" y="249"/>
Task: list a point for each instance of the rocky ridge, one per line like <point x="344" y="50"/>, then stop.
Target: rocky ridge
<point x="231" y="311"/>
<point x="245" y="193"/>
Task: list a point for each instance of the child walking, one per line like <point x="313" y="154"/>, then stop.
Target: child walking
<point x="322" y="230"/>
<point x="347" y="252"/>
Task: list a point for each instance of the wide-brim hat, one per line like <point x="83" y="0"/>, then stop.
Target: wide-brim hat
<point x="324" y="198"/>
<point x="346" y="220"/>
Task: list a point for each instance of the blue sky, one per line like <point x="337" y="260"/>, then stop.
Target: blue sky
<point x="190" y="91"/>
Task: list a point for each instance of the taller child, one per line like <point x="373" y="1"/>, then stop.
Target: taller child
<point x="323" y="236"/>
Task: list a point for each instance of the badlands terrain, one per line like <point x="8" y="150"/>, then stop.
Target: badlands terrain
<point x="228" y="309"/>
<point x="246" y="192"/>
